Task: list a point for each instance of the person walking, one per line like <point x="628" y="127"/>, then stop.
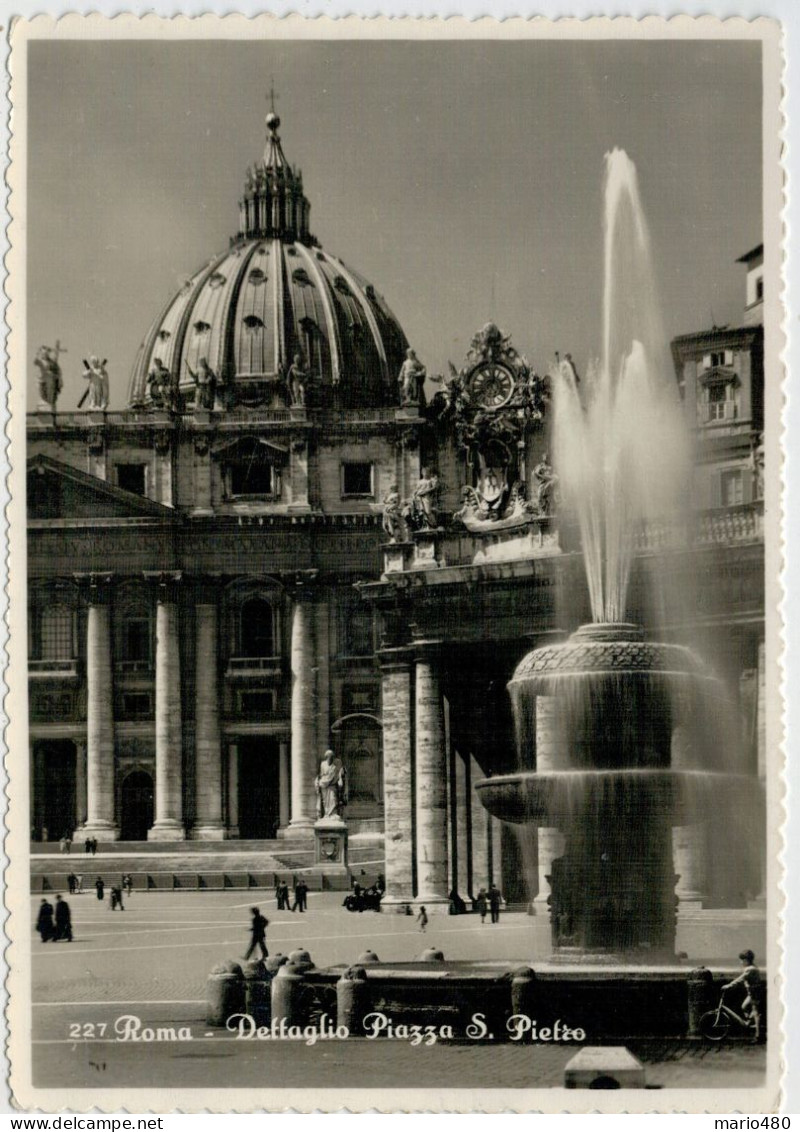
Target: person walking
<point x="100" y="887"/>
<point x="258" y="932"/>
<point x="63" y="920"/>
<point x="87" y="846"/>
<point x="422" y="918"/>
<point x="116" y="899"/>
<point x="300" y="896"/>
<point x="481" y="904"/>
<point x="79" y="882"/>
<point x="495" y="899"/>
<point x="72" y="881"/>
<point x="127" y="883"/>
<point x="44" y="921"/>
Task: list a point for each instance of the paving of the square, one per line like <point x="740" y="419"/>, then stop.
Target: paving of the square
<point x="152" y="961"/>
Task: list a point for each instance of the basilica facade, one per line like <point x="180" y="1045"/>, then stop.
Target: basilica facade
<point x="290" y="540"/>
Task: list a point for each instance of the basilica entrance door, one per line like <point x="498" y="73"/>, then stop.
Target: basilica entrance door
<point x="57" y="759"/>
<point x="137" y="806"/>
<point x="258" y="788"/>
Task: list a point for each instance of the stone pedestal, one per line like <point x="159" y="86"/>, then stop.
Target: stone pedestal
<point x="426" y="545"/>
<point x="330" y="845"/>
<point x="397" y="557"/>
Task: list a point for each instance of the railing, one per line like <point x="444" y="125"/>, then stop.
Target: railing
<point x="255" y="665"/>
<point x="134" y="666"/>
<point x="47" y="667"/>
<point x="720" y="526"/>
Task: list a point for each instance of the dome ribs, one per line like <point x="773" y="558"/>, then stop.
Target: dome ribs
<point x="364" y="305"/>
<point x="334" y="344"/>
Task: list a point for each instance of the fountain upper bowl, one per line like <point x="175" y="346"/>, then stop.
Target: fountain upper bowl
<point x="617" y="647"/>
<point x="557" y="797"/>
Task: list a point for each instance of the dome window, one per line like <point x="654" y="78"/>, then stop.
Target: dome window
<point x="263" y="249"/>
<point x="164" y="335"/>
<point x="341" y="285"/>
<point x="216" y="280"/>
<point x="201" y="327"/>
<point x="300" y="275"/>
<point x="369" y="291"/>
<point x="257" y="277"/>
<point x="253" y="322"/>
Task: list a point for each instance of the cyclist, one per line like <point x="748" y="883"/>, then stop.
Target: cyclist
<point x="749" y="980"/>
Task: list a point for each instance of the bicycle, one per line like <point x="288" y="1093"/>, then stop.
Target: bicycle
<point x="716" y="1024"/>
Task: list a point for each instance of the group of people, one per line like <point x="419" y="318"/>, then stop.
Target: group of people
<point x="90" y="845"/>
<point x="54" y="924"/>
<point x="300" y="896"/>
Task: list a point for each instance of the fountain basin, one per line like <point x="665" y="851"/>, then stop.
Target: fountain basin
<point x="556" y="798"/>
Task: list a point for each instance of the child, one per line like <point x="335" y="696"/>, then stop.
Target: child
<point x="422" y="918"/>
<point x="749" y="980"/>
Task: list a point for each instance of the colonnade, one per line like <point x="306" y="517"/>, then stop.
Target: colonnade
<point x="216" y="776"/>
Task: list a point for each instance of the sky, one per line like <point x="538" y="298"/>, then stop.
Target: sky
<point x="464" y="180"/>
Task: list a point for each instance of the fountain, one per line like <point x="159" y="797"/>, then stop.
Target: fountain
<point x="611" y="779"/>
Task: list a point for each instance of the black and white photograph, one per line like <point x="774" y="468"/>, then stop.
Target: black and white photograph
<point x="395" y="708"/>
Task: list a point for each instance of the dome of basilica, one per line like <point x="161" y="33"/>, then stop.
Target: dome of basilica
<point x="272" y="296"/>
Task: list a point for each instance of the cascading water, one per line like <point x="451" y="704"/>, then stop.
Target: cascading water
<point x="626" y="756"/>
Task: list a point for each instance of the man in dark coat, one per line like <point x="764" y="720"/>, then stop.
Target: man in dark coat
<point x="494" y="903"/>
<point x="63" y="920"/>
<point x="300" y="896"/>
<point x="44" y="921"/>
<point x="100" y="887"/>
<point x="258" y="930"/>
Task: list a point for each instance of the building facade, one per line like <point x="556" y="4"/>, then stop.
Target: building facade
<point x="280" y="546"/>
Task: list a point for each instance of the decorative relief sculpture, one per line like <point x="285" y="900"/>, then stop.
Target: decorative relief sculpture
<point x="547" y="492"/>
<point x="50" y="380"/>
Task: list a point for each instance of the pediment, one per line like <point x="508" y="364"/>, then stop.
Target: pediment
<point x="59" y="491"/>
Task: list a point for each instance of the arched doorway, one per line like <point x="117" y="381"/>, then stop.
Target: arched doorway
<point x="136" y="806"/>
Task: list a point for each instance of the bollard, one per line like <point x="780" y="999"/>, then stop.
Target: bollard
<point x="432" y="955"/>
<point x="523" y="984"/>
<point x="700" y="988"/>
<point x="257" y="997"/>
<point x="288" y="995"/>
<point x="367" y="957"/>
<point x="352" y="998"/>
<point x="275" y="962"/>
<point x="301" y="959"/>
<point x="224" y="993"/>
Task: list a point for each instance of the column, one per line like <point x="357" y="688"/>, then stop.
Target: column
<point x="480" y="844"/>
<point x="284" y="784"/>
<point x="209" y="825"/>
<point x="168" y="825"/>
<point x="80" y="783"/>
<point x="688" y="841"/>
<point x="550" y="840"/>
<point x="233" y="790"/>
<point x="304" y="753"/>
<point x="99" y="715"/>
<point x="398" y="780"/>
<point x="323" y="683"/>
<point x="431" y="782"/>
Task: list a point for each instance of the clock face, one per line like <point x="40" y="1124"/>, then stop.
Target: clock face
<point x="492" y="385"/>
